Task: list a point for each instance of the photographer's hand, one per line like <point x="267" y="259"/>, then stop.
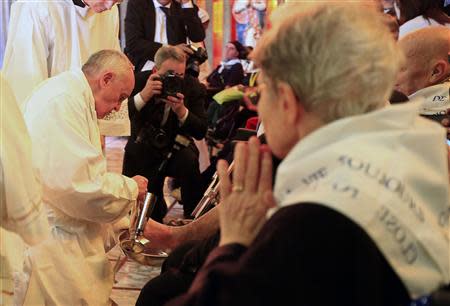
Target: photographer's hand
<point x="152" y="87"/>
<point x="177" y="105"/>
<point x="185" y="48"/>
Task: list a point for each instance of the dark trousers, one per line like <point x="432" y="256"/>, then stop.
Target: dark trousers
<point x="183" y="166"/>
<point x="177" y="272"/>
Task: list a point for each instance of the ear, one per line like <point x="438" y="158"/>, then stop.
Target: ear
<point x="440" y="71"/>
<point x="293" y="110"/>
<point x="106" y="78"/>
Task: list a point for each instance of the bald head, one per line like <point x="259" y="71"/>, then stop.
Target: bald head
<point x="426" y="64"/>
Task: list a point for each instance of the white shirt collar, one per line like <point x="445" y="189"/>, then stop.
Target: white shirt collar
<point x="157" y="4"/>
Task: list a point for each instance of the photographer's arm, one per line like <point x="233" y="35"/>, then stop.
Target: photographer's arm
<point x="194" y="28"/>
<point x="137" y="101"/>
<point x="196" y="121"/>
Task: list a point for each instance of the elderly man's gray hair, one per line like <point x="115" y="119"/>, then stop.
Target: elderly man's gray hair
<point x="339" y="59"/>
<point x="107" y="60"/>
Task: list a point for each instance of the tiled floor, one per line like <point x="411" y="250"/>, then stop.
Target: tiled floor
<point x="131" y="276"/>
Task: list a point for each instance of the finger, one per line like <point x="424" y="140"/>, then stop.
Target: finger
<point x="269" y="199"/>
<point x="188" y="50"/>
<point x="240" y="163"/>
<point x="224" y="179"/>
<point x="253" y="165"/>
<point x="154" y="76"/>
<point x="180" y="95"/>
<point x="173" y="99"/>
<point x="265" y="177"/>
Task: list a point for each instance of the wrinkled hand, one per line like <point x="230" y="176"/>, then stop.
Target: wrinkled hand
<point x="185" y="48"/>
<point x="245" y="201"/>
<point x="152" y="87"/>
<point x="177" y="105"/>
<point x="142" y="186"/>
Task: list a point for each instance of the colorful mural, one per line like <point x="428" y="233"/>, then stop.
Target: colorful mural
<point x="246" y="22"/>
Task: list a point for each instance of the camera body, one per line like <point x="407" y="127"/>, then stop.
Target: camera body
<point x="153" y="137"/>
<point x="171" y="84"/>
<point x="195" y="60"/>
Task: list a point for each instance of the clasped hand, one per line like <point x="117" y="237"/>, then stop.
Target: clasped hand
<point x="246" y="198"/>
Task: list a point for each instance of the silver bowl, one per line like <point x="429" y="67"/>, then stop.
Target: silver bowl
<point x="149" y="257"/>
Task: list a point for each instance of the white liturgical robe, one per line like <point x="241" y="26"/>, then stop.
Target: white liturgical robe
<point x="46" y="38"/>
<point x="21" y="209"/>
<point x="83" y="198"/>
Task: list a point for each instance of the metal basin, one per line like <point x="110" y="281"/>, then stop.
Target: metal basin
<point x="149" y="257"/>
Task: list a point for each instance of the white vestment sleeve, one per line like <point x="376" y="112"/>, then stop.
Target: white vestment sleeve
<point x="26" y="54"/>
<point x="69" y="157"/>
<point x="20" y="197"/>
<point x="117" y="28"/>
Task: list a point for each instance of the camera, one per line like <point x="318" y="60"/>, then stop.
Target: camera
<point x="153" y="137"/>
<point x="171" y="84"/>
<point x="195" y="60"/>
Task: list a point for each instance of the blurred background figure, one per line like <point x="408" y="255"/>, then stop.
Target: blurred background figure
<point x="23" y="217"/>
<point x="416" y="14"/>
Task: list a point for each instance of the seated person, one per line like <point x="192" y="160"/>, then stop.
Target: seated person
<point x="156" y="121"/>
<point x="341" y="220"/>
<point x="426" y="71"/>
<point x="418" y="14"/>
<point x="230" y="71"/>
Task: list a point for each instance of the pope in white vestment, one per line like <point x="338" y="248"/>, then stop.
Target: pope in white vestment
<point x="21" y="209"/>
<point x="48" y="37"/>
<point x="82" y="197"/>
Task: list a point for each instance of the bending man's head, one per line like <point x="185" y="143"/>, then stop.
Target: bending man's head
<point x="319" y="63"/>
<point x="427" y="61"/>
<point x="110" y="76"/>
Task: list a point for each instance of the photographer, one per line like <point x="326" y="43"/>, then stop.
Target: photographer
<point x="166" y="103"/>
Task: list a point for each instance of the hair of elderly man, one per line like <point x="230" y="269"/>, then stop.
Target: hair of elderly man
<point x="169" y="52"/>
<point x="339" y="59"/>
<point x="427" y="45"/>
<point x="107" y="60"/>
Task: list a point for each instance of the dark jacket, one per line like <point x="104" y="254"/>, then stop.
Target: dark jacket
<point x="182" y="23"/>
<point x="230" y="76"/>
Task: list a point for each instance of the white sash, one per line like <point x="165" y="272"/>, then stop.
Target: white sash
<point x="386" y="171"/>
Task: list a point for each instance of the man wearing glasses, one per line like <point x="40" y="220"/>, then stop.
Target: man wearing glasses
<point x="166" y="103"/>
